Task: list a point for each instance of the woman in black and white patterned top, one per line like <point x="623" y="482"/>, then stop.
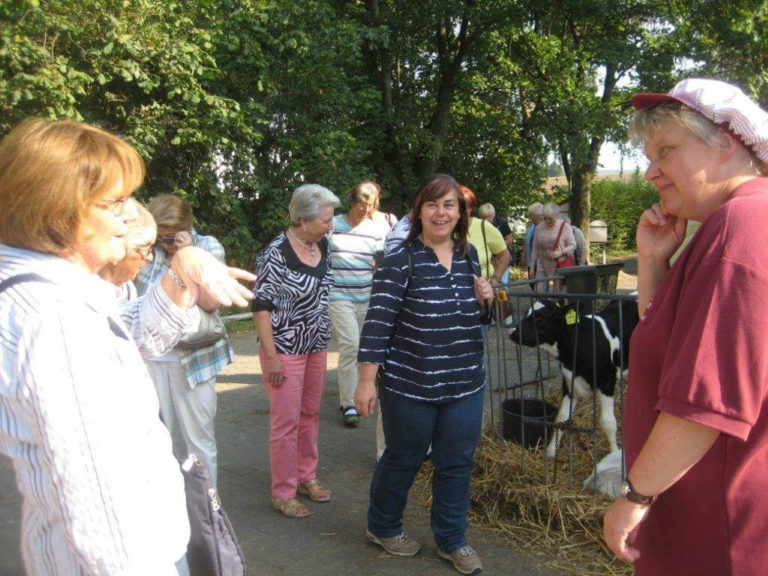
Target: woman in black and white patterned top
<point x="290" y="311"/>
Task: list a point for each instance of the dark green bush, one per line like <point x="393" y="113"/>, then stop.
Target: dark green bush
<point x="620" y="203"/>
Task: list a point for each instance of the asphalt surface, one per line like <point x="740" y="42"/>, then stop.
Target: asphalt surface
<point x="332" y="540"/>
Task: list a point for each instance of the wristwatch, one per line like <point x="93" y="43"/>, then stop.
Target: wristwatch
<point x="630" y="494"/>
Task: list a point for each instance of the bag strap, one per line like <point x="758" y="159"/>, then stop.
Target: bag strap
<point x="560" y="233"/>
<point x="20" y="278"/>
<point x="485" y="245"/>
<point x="33" y="277"/>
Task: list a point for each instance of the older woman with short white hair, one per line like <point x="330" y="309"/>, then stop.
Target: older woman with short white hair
<point x="290" y="310"/>
<point x="139" y="240"/>
<point x="696" y="413"/>
<point x="553" y="242"/>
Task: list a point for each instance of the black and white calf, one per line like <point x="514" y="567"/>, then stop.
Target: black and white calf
<point x="587" y="364"/>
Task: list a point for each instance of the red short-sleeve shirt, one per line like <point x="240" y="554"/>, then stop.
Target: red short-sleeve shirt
<point x="701" y="353"/>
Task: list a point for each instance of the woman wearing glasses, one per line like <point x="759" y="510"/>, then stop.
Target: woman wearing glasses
<point x="139" y="242"/>
<point x="102" y="491"/>
<point x="185" y="379"/>
<point x="355" y="241"/>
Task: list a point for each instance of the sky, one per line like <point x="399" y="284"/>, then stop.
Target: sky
<point x="610" y="159"/>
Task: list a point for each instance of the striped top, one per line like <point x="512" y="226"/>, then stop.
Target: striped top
<point x="398" y="234"/>
<point x="102" y="491"/>
<point x="296" y="296"/>
<point x="201" y="364"/>
<point x="352" y="251"/>
<point x="425" y="330"/>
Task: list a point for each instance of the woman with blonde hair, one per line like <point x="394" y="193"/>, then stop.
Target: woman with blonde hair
<point x="695" y="418"/>
<point x="102" y="492"/>
<point x="185" y="379"/>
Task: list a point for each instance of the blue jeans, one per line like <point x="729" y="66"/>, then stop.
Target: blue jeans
<point x="454" y="431"/>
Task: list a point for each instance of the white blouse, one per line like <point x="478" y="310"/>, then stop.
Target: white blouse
<point x="102" y="491"/>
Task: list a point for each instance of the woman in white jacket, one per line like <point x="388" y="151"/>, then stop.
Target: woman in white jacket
<point x="102" y="491"/>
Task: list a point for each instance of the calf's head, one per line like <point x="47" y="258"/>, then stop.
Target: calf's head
<point x="542" y="324"/>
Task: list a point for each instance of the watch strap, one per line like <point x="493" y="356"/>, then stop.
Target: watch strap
<point x="632" y="495"/>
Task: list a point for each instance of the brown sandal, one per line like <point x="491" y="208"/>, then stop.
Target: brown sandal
<point x="315" y="490"/>
<point x="291" y="507"/>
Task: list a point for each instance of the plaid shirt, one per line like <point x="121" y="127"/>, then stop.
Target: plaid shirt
<point x="204" y="363"/>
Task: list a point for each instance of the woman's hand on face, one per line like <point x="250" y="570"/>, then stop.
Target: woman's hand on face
<point x="483" y="290"/>
<point x="203" y="274"/>
<point x="365" y="398"/>
<point x="273" y="372"/>
<point x="618" y="523"/>
<point x="182" y="239"/>
<point x="659" y="234"/>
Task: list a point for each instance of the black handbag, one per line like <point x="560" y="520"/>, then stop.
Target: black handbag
<point x="213" y="549"/>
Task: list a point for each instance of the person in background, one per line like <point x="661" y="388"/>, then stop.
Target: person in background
<point x="355" y="241"/>
<point x="423" y="332"/>
<point x="185" y="380"/>
<point x="397" y="234"/>
<point x="290" y="310"/>
<point x="535" y="215"/>
<point x="139" y="241"/>
<point x="695" y="418"/>
<point x="582" y="251"/>
<point x="552" y="240"/>
<point x="381" y="217"/>
<point x="491" y="248"/>
<point x="488" y="213"/>
<point x="102" y="492"/>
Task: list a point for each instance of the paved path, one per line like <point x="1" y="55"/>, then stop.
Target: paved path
<point x="331" y="541"/>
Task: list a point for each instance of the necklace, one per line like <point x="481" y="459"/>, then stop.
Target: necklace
<point x="308" y="247"/>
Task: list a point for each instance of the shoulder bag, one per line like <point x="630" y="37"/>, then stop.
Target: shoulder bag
<point x="213" y="549"/>
<point x="210" y="331"/>
<point x="566" y="260"/>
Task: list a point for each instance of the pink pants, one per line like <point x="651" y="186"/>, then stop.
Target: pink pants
<point x="294" y="418"/>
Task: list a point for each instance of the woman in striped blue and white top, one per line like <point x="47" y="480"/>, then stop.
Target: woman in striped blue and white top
<point x="423" y="333"/>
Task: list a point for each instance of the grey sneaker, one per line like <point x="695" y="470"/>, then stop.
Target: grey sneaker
<point x="465" y="560"/>
<point x="400" y="545"/>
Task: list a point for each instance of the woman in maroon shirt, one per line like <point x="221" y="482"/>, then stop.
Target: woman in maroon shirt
<point x="695" y="427"/>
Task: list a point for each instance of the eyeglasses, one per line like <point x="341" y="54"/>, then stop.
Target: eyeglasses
<point x="114" y="205"/>
<point x="167" y="240"/>
<point x="366" y="206"/>
<point x="145" y="252"/>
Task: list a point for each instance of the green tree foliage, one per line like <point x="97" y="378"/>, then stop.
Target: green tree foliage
<point x="620" y="203"/>
<point x="234" y="103"/>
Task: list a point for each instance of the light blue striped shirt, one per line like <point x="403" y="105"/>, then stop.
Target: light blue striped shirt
<point x="102" y="491"/>
<point x="352" y="252"/>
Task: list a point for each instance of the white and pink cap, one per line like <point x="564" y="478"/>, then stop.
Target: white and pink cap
<point x="720" y="102"/>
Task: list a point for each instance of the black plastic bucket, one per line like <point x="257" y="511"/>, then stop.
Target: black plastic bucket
<point x="526" y="417"/>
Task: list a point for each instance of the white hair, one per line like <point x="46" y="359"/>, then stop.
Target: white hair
<point x="142" y="229"/>
<point x="308" y="200"/>
<point x="551" y="209"/>
<point x="535" y="209"/>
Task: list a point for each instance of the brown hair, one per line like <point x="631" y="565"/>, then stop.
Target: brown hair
<point x="170" y="211"/>
<point x="437" y="186"/>
<point x="51" y="173"/>
<point x="358" y="189"/>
